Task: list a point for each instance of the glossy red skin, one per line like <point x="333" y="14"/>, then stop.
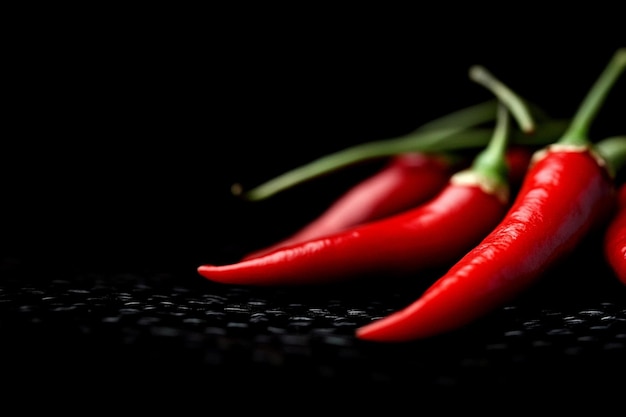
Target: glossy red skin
<point x="405" y="182"/>
<point x="564" y="195"/>
<point x="615" y="238"/>
<point x="433" y="234"/>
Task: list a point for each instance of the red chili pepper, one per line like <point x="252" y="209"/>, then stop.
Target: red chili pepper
<point x="401" y="244"/>
<point x="413" y="240"/>
<point x="615" y="238"/>
<point x="568" y="191"/>
<point x="406" y="181"/>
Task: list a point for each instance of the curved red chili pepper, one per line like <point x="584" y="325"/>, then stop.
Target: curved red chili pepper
<point x="406" y="181"/>
<point x="398" y="245"/>
<point x="414" y="240"/>
<point x="615" y="238"/>
<point x="407" y="242"/>
<point x="568" y="191"/>
<point x="565" y="194"/>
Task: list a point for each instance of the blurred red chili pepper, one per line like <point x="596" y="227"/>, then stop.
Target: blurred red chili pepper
<point x="568" y="191"/>
<point x="413" y="240"/>
<point x="615" y="238"/>
<point x="405" y="182"/>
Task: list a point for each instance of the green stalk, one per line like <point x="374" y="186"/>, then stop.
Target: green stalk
<point x="578" y="131"/>
<point x="490" y="163"/>
<point x="439" y="140"/>
<point x="516" y="105"/>
<point x="431" y="133"/>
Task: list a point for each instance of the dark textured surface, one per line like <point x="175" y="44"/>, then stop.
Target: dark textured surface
<point x="568" y="333"/>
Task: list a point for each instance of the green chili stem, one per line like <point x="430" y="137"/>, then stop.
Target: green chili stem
<point x="418" y="141"/>
<point x="491" y="160"/>
<point x="513" y="101"/>
<point x="440" y="140"/>
<point x="441" y="134"/>
<point x="441" y="129"/>
<point x="578" y="131"/>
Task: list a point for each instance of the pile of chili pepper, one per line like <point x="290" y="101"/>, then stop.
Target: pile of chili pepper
<point x="527" y="209"/>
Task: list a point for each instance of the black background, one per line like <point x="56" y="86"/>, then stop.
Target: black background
<point x="124" y="134"/>
<point x="125" y="129"/>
